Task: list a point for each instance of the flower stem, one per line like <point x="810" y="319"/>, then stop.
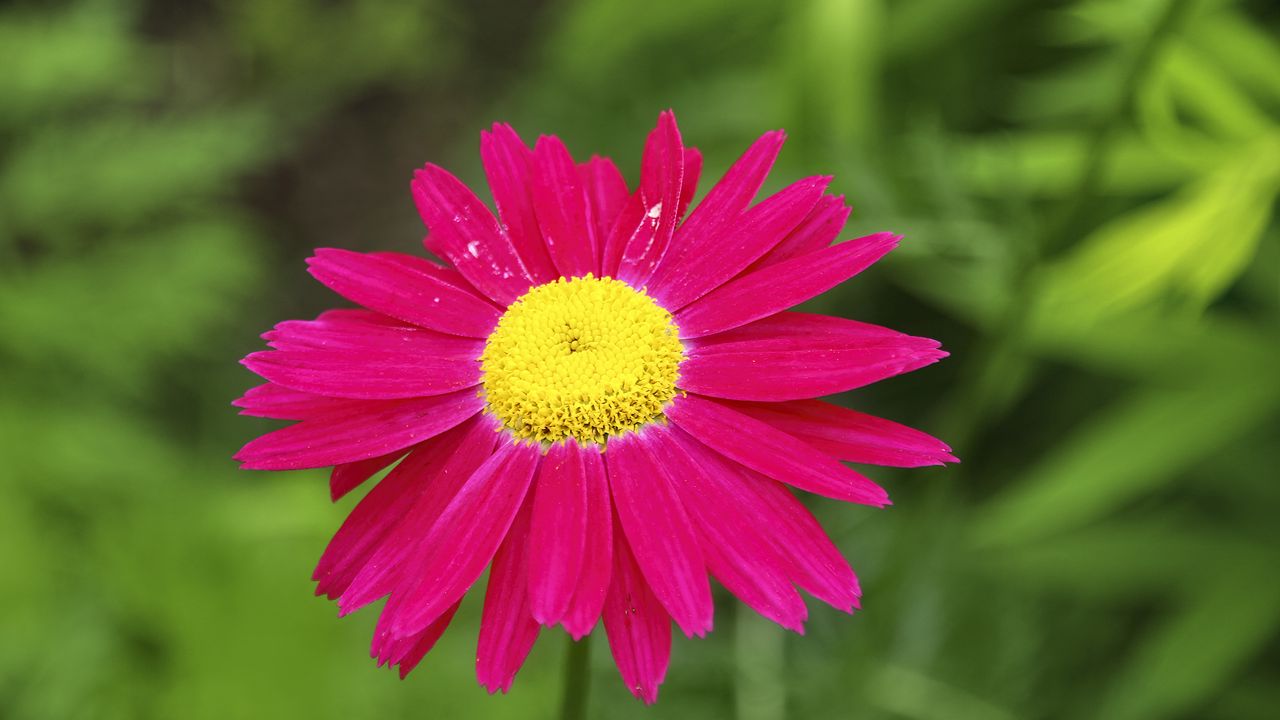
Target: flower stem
<point x="577" y="680"/>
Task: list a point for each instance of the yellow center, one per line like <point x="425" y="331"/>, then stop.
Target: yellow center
<point x="587" y="358"/>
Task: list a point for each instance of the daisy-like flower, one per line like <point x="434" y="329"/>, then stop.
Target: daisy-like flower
<point x="597" y="397"/>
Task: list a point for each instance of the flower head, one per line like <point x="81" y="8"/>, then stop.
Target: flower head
<point x="586" y="358"/>
<point x="601" y="398"/>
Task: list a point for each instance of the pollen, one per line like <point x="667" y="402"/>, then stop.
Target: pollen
<point x="587" y="358"/>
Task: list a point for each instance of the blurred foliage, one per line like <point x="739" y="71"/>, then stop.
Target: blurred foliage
<point x="1087" y="191"/>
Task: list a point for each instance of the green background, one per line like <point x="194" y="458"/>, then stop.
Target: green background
<point x="1086" y="190"/>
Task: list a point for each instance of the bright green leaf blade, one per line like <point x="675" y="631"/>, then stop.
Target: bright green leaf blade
<point x="1191" y="246"/>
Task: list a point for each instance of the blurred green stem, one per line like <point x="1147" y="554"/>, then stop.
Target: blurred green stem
<point x="577" y="680"/>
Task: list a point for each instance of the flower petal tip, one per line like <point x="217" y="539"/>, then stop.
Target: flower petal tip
<point x="889" y="241"/>
<point x="818" y="183"/>
<point x="774" y="137"/>
<point x="493" y="687"/>
<point x="255" y="360"/>
<point x="577" y="632"/>
<point x="544" y="618"/>
<point x="697" y="631"/>
<point x="647" y="695"/>
<point x="499" y="127"/>
<point x="321" y="254"/>
<point x="250" y="460"/>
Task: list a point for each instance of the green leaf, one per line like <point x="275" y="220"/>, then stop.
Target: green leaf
<point x="1092" y="21"/>
<point x="1189" y="247"/>
<point x="1210" y="95"/>
<point x="1248" y="52"/>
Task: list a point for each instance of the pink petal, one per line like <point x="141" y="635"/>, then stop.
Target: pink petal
<point x="779" y="286"/>
<point x="365" y="330"/>
<point x="816" y="564"/>
<point x="360" y="430"/>
<point x="661" y="181"/>
<point x="376" y="515"/>
<point x="464" y="539"/>
<point x="737" y="552"/>
<point x="409" y="651"/>
<point x="771" y="452"/>
<point x="597" y="561"/>
<point x="638" y="626"/>
<point x="272" y="401"/>
<point x="465" y="233"/>
<point x="633" y="226"/>
<point x="791" y="356"/>
<point x="849" y="435"/>
<point x="472" y="444"/>
<point x="432" y="269"/>
<point x="607" y="193"/>
<point x="506" y="165"/>
<point x="369" y="374"/>
<point x="507" y="630"/>
<point x="338" y="317"/>
<point x="659" y="531"/>
<point x="349" y="476"/>
<point x="559" y="531"/>
<point x="392" y="288"/>
<point x="729" y="197"/>
<point x="788" y="329"/>
<point x="712" y="260"/>
<point x="816" y="232"/>
<point x="562" y="208"/>
<point x="689" y="185"/>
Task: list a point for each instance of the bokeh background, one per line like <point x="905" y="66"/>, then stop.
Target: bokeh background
<point x="1086" y="189"/>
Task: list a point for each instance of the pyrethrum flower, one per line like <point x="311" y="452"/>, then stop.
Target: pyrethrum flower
<point x="601" y="397"/>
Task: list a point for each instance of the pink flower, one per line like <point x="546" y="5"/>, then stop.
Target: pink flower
<point x="599" y="398"/>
